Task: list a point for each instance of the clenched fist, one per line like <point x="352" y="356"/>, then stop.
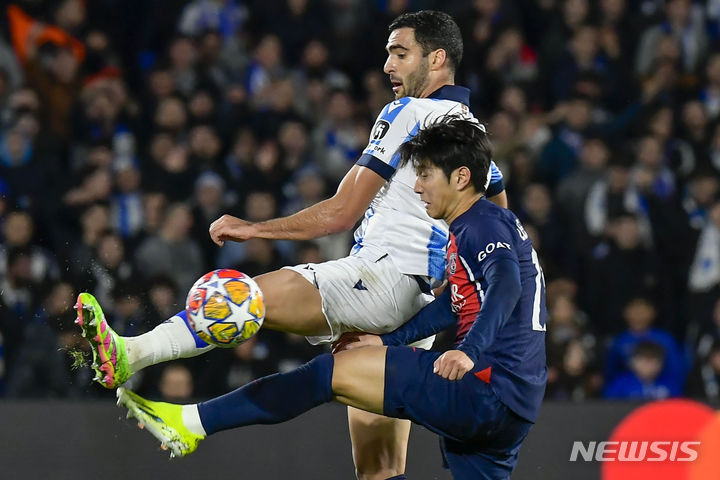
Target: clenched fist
<point x="453" y="365"/>
<point x="232" y="228"/>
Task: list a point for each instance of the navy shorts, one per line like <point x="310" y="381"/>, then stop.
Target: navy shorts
<point x="480" y="436"/>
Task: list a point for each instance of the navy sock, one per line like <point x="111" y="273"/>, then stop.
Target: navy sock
<point x="398" y="477"/>
<point x="273" y="399"/>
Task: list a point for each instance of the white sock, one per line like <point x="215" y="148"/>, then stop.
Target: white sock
<point x="168" y="341"/>
<point x="191" y="419"/>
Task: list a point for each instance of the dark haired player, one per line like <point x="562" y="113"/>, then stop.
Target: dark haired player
<point x="399" y="251"/>
<point x="482" y="396"/>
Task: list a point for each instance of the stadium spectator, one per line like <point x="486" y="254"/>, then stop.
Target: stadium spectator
<point x="704" y="276"/>
<point x="561" y="28"/>
<point x="95" y="186"/>
<point x="640" y="314"/>
<point x="338" y="138"/>
<point x="573" y="372"/>
<point x="710" y="92"/>
<point x="94" y="221"/>
<point x="683" y="24"/>
<point x="18" y="230"/>
<point x="573" y="191"/>
<point x="265" y="67"/>
<point x="108" y="268"/>
<point x="26" y="159"/>
<point x="199" y="16"/>
<point x="620" y="268"/>
<point x="18" y="301"/>
<point x="172" y="251"/>
<point x="128" y="313"/>
<point x="208" y="204"/>
<point x="171" y="174"/>
<point x="176" y="383"/>
<point x="644" y="380"/>
<point x="573" y="376"/>
<point x="162" y="297"/>
<point x="53" y="72"/>
<point x="127" y="203"/>
<point x="559" y="156"/>
<point x="509" y="61"/>
<point x="708" y="332"/>
<point x="42" y="369"/>
<point x="704" y="380"/>
<point x="154" y="206"/>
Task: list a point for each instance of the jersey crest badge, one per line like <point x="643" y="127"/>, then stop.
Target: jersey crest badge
<point x="452" y="263"/>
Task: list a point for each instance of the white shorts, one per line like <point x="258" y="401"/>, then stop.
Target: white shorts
<point x="364" y="294"/>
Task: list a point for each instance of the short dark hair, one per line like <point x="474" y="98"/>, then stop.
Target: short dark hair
<point x="649" y="349"/>
<point x="433" y="30"/>
<point x="451" y="142"/>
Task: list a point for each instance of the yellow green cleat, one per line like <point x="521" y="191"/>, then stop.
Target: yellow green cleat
<point x="110" y="361"/>
<point x="163" y="420"/>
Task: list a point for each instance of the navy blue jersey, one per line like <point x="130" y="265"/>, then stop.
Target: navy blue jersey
<point x="513" y="363"/>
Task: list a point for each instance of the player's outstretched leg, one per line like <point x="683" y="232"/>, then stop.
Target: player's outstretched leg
<point x="117" y="358"/>
<point x="292" y="305"/>
<point x="110" y="361"/>
<point x="353" y="377"/>
<point x="166" y="421"/>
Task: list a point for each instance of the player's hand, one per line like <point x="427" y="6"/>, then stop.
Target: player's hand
<point x="350" y="340"/>
<point x="232" y="228"/>
<point x="453" y="365"/>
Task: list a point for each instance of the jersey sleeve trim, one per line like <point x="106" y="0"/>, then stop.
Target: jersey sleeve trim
<point x="495" y="188"/>
<point x="376" y="165"/>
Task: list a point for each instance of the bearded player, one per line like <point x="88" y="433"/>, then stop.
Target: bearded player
<point x="399" y="251"/>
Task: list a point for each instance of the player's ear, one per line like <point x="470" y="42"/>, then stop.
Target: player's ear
<point x="463" y="178"/>
<point x="437" y="59"/>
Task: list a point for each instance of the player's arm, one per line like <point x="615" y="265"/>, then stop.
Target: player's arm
<point x="356" y="191"/>
<point x="336" y="214"/>
<point x="503" y="292"/>
<point x="433" y="318"/>
<point x="504" y="287"/>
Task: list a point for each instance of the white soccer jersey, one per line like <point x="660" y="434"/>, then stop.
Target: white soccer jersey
<point x="396" y="222"/>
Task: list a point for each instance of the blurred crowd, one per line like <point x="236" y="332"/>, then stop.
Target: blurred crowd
<point x="127" y="127"/>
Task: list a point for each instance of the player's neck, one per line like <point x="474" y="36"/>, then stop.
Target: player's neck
<point x="436" y="84"/>
<point x="463" y="204"/>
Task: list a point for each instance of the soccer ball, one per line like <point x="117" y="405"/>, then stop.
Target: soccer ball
<point x="225" y="308"/>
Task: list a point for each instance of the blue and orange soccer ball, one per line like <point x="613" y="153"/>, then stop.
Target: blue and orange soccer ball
<point x="225" y="308"/>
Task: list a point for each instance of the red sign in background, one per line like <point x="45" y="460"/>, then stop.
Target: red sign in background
<point x="669" y="421"/>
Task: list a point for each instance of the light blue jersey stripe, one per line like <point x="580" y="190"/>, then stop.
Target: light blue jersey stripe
<point x="436" y="253"/>
<point x="395" y="160"/>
